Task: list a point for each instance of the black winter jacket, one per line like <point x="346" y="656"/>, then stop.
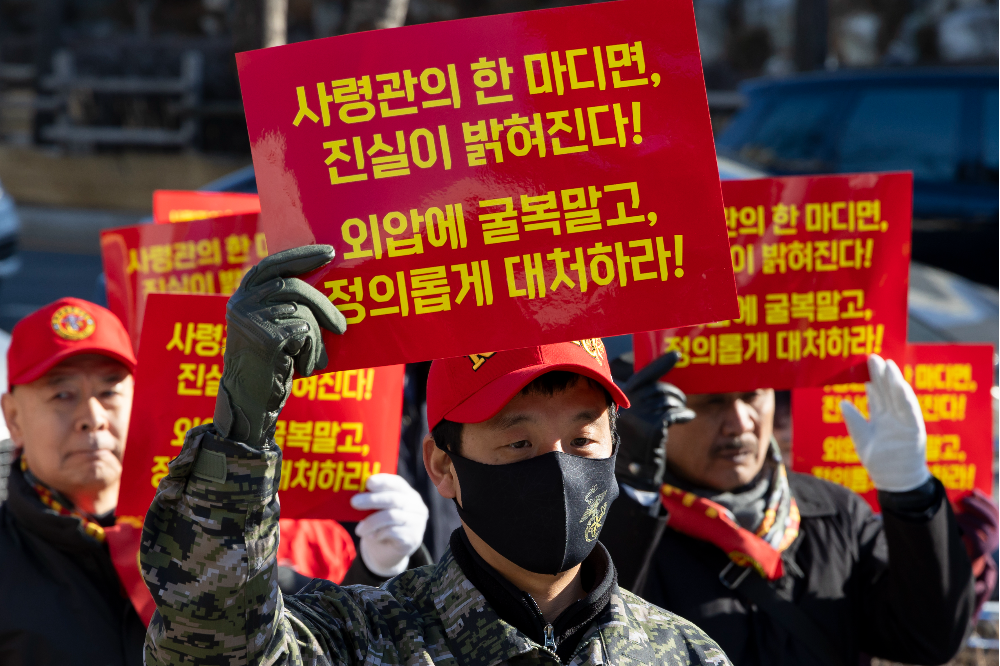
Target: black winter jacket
<point x="61" y="602"/>
<point x="913" y="607"/>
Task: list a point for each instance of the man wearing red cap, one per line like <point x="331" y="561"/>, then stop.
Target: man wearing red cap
<point x="523" y="441"/>
<point x="69" y="369"/>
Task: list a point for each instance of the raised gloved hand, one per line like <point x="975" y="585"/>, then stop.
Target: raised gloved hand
<point x="274" y="324"/>
<point x="892" y="442"/>
<point x="656" y="405"/>
<point x="396" y="529"/>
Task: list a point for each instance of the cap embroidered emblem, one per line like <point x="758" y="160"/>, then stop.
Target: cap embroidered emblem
<point x="479" y="359"/>
<point x="594" y="347"/>
<point x="72" y="323"/>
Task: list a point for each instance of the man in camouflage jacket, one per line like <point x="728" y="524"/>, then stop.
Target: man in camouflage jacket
<point x="211" y="535"/>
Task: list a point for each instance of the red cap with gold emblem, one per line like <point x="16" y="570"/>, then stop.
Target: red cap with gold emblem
<point x="68" y="327"/>
<point x="474" y="388"/>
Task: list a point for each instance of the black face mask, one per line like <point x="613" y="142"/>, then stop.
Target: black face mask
<point x="543" y="514"/>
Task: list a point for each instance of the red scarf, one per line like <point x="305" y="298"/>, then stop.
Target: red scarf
<point x="706" y="520"/>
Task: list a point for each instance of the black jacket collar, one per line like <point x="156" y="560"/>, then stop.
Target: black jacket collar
<point x="65" y="533"/>
<point x="517" y="608"/>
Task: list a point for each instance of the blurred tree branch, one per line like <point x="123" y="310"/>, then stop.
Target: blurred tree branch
<point x="259" y="24"/>
<point x="376" y="14"/>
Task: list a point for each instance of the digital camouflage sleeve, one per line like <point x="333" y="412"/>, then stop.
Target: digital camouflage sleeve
<point x="208" y="555"/>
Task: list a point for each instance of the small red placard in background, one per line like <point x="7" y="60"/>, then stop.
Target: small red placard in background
<point x="822" y="269"/>
<point x="201" y="257"/>
<point x="335" y="431"/>
<point x="496" y="182"/>
<point x="952" y="383"/>
<point x="189" y="205"/>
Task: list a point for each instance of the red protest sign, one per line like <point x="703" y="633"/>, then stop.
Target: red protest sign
<point x="335" y="431"/>
<point x="189" y="205"/>
<point x="822" y="268"/>
<point x="553" y="171"/>
<point x="952" y="383"/>
<point x="202" y="257"/>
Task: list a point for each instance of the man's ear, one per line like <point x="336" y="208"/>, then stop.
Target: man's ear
<point x="12" y="416"/>
<point x="439" y="469"/>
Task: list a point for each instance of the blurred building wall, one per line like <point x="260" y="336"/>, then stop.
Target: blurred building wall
<point x="154" y="38"/>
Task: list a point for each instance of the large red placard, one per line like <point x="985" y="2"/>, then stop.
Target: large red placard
<point x="822" y="271"/>
<point x="496" y="182"/>
<point x="202" y="257"/>
<point x="952" y="383"/>
<point x="335" y="431"/>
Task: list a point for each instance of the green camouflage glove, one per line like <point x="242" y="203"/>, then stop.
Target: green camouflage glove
<point x="274" y="323"/>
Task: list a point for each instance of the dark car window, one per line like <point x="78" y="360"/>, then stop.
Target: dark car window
<point x="899" y="129"/>
<point x="991" y="147"/>
<point x="791" y="135"/>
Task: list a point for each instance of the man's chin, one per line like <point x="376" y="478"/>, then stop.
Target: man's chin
<point x="731" y="472"/>
<point x="93" y="471"/>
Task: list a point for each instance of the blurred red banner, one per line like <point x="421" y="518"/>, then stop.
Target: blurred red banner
<point x="190" y="205"/>
<point x="822" y="271"/>
<point x="496" y="182"/>
<point x="203" y="257"/>
<point x="335" y="431"/>
<point x="952" y="383"/>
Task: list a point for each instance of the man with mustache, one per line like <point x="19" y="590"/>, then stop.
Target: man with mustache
<point x="785" y="568"/>
<point x="522" y="441"/>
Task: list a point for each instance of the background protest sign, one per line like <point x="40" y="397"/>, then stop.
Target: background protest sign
<point x="189" y="205"/>
<point x="822" y="271"/>
<point x="952" y="383"/>
<point x="496" y="182"/>
<point x="203" y="257"/>
<point x="335" y="431"/>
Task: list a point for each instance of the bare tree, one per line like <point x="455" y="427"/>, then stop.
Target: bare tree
<point x="275" y="22"/>
<point x="262" y="23"/>
<point x="259" y="24"/>
<point x="376" y="14"/>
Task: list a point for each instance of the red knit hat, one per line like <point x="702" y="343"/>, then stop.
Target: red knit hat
<point x="474" y="388"/>
<point x="57" y="331"/>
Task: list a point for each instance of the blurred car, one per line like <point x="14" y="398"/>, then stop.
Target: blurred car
<point x="939" y="124"/>
<point x="733" y="170"/>
<point x="241" y="180"/>
<point x="10" y="230"/>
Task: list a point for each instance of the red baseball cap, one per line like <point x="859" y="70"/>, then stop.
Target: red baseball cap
<point x="474" y="388"/>
<point x="68" y="327"/>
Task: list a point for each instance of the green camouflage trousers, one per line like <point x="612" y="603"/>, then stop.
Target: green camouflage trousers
<point x="208" y="556"/>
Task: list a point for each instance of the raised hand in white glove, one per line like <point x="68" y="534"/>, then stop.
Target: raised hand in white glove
<point x="892" y="443"/>
<point x="396" y="529"/>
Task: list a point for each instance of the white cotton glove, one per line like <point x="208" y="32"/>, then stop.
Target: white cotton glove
<point x="892" y="444"/>
<point x="396" y="529"/>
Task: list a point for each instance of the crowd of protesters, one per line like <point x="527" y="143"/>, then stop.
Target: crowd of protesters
<point x="551" y="507"/>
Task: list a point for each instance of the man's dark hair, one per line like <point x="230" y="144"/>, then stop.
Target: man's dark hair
<point x="448" y="434"/>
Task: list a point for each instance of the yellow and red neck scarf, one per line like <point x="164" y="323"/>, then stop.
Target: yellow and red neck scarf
<point x="122" y="538"/>
<point x="703" y="519"/>
<point x="61" y="505"/>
